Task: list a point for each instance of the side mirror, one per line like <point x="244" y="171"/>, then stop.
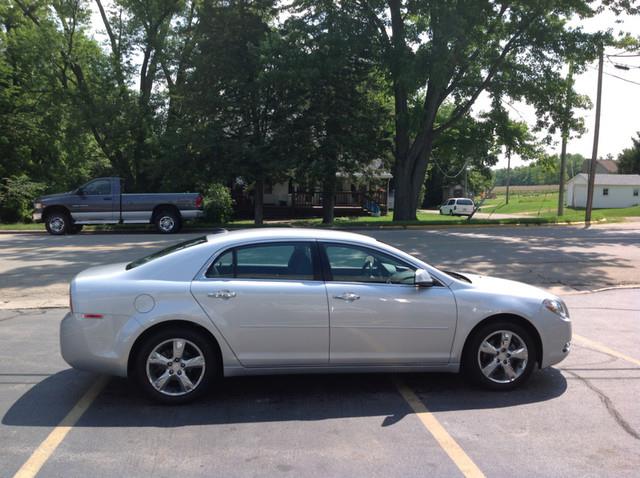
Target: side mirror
<point x="423" y="278"/>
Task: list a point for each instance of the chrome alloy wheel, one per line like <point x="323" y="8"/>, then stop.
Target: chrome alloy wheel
<point x="57" y="224"/>
<point x="166" y="223"/>
<point x="175" y="367"/>
<point x="503" y="356"/>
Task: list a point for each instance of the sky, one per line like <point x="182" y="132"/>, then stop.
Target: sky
<point x="620" y="115"/>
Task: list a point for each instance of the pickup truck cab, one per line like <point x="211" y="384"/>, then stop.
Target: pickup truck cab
<point x="458" y="207"/>
<point x="101" y="201"/>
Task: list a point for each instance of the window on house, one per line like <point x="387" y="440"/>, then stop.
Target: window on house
<point x="605" y="191"/>
<point x="635" y="192"/>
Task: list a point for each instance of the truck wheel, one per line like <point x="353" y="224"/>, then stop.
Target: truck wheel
<point x="168" y="222"/>
<point x="58" y="223"/>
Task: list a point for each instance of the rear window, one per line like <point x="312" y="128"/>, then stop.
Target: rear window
<point x="165" y="252"/>
<point x="465" y="202"/>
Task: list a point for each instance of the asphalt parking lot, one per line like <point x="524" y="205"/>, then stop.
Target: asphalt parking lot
<point x="580" y="418"/>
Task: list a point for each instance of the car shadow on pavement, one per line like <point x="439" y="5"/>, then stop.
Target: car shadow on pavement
<point x="271" y="399"/>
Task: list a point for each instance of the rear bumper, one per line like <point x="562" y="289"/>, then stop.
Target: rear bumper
<point x="95" y="345"/>
<point x="192" y="213"/>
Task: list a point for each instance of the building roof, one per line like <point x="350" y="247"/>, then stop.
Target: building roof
<point x="604" y="166"/>
<point x="610" y="179"/>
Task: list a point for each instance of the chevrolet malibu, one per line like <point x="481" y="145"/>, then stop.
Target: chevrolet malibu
<point x="272" y="301"/>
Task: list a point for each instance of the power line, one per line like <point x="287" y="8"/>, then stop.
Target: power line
<point x="626" y="56"/>
<point x="621" y="78"/>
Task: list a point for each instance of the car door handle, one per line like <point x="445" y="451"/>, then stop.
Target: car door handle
<point x="222" y="294"/>
<point x="348" y="296"/>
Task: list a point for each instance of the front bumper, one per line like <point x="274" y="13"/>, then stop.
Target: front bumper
<point x="95" y="345"/>
<point x="556" y="338"/>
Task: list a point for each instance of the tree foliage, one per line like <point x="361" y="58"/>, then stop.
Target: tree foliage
<point x="629" y="158"/>
<point x="184" y="94"/>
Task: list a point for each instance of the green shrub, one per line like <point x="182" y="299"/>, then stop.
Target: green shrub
<point x="218" y="205"/>
<point x="16" y="198"/>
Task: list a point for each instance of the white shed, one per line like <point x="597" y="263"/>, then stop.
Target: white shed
<point x="610" y="190"/>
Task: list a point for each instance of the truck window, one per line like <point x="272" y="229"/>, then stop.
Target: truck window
<point x="97" y="187"/>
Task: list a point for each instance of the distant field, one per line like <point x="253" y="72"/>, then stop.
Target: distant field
<point x="526" y="189"/>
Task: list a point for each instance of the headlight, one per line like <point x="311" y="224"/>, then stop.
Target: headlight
<point x="37" y="205"/>
<point x="557" y="307"/>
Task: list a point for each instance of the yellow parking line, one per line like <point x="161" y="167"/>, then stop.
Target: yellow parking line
<point x="603" y="348"/>
<point x="38" y="458"/>
<point x="431" y="423"/>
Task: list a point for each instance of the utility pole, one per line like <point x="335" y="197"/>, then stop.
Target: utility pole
<point x="565" y="136"/>
<point x="596" y="133"/>
<point x="508" y="173"/>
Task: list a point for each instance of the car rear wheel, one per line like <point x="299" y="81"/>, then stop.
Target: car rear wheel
<point x="500" y="356"/>
<point x="175" y="366"/>
<point x="168" y="222"/>
<point x="57" y="223"/>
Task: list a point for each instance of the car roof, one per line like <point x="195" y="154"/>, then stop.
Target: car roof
<point x="269" y="233"/>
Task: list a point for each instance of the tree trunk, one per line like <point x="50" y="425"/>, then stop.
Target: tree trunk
<point x="258" y="202"/>
<point x="328" y="197"/>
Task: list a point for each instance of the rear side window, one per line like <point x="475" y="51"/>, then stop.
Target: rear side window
<point x="465" y="202"/>
<point x="284" y="261"/>
<point x="167" y="251"/>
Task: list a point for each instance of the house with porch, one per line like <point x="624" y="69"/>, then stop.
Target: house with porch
<point x="357" y="194"/>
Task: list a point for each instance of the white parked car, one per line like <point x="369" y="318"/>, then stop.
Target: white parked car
<point x="458" y="207"/>
<point x="270" y="301"/>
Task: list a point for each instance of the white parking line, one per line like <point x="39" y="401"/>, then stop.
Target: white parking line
<point x="41" y="454"/>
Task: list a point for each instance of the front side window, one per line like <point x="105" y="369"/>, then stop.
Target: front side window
<point x="97" y="187"/>
<point x="359" y="264"/>
<point x="451" y="202"/>
<point x="284" y="261"/>
<point x="605" y="192"/>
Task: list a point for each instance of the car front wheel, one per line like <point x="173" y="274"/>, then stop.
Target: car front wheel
<point x="500" y="356"/>
<point x="175" y="366"/>
<point x="57" y="223"/>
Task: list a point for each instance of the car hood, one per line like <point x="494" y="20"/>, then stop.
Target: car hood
<point x="49" y="197"/>
<point x="505" y="286"/>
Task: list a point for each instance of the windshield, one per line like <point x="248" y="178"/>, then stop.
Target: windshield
<point x="167" y="251"/>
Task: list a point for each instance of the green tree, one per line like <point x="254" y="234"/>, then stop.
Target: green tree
<point x="456" y="50"/>
<point x="343" y="126"/>
<point x="629" y="159"/>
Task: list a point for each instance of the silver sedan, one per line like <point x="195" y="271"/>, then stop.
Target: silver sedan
<point x="269" y="301"/>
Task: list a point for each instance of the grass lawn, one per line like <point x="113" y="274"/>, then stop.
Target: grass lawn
<point x="545" y="204"/>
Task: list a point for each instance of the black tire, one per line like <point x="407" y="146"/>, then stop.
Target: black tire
<point x="173" y="385"/>
<point x="58" y="223"/>
<point x="473" y="359"/>
<point x="168" y="221"/>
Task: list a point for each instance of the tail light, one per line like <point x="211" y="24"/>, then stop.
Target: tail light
<point x="70" y="300"/>
<point x="92" y="316"/>
<point x="199" y="201"/>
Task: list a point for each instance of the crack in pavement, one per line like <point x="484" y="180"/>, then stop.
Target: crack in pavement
<point x="608" y="404"/>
